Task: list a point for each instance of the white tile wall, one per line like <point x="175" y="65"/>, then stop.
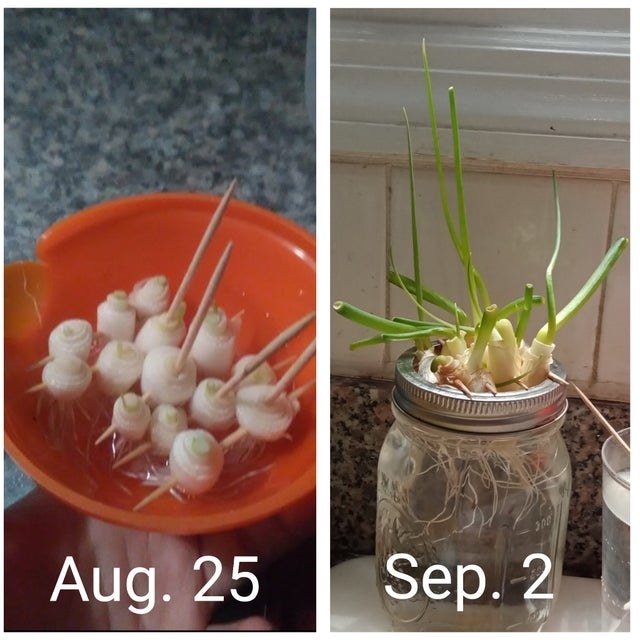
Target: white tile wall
<point x="358" y="241"/>
<point x="512" y="230"/>
<point x="613" y="353"/>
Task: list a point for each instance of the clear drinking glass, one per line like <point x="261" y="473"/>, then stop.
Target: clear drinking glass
<point x="615" y="534"/>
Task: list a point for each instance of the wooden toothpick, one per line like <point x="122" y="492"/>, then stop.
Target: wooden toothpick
<point x="105" y="434"/>
<point x="603" y="421"/>
<point x="299" y="391"/>
<point x="37" y="387"/>
<point x="156" y="493"/>
<point x="292" y="371"/>
<point x="281" y="339"/>
<point x="202" y="247"/>
<point x="133" y="454"/>
<point x="201" y="313"/>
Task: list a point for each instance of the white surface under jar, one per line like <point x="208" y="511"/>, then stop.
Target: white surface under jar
<point x="468" y="491"/>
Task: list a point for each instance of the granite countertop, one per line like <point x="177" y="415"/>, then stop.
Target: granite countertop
<point x="360" y="418"/>
<point x="101" y="104"/>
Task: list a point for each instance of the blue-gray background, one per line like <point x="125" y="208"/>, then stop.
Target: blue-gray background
<point x="105" y="103"/>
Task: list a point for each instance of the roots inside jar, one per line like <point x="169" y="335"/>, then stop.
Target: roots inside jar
<point x="477" y="482"/>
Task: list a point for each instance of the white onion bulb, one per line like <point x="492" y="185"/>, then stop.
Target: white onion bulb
<point x="161" y="330"/>
<point x="537" y="360"/>
<point x="264" y="420"/>
<point x="118" y="367"/>
<point x="167" y="422"/>
<point x="196" y="461"/>
<point x="263" y="374"/>
<point x="210" y="410"/>
<point x="160" y="380"/>
<point x="131" y="416"/>
<point x="214" y="346"/>
<point x="66" y="377"/>
<point x="71" y="337"/>
<point x="116" y="318"/>
<point x="150" y="297"/>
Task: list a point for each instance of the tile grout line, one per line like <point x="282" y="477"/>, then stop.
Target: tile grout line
<point x="603" y="291"/>
<point x="476" y="165"/>
<point x="386" y="352"/>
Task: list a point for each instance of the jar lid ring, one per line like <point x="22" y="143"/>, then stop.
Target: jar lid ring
<point x="448" y="407"/>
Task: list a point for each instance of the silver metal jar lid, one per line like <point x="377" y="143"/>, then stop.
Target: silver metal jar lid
<point x="448" y="407"/>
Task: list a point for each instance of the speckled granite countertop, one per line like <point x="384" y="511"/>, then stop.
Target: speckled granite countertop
<point x="101" y="104"/>
<point x="360" y="417"/>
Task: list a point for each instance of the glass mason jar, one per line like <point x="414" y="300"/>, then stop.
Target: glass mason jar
<point x="473" y="499"/>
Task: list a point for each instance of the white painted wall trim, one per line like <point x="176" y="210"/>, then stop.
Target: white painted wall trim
<point x="533" y="87"/>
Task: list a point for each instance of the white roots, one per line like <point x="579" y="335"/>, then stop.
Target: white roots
<point x="485" y="482"/>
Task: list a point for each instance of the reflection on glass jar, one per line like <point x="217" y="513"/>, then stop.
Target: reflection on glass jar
<point x="473" y="500"/>
<point x="616" y="534"/>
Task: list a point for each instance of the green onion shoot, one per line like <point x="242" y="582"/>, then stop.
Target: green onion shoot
<point x="480" y="348"/>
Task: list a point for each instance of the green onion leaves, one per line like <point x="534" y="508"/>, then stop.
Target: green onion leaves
<point x="485" y="343"/>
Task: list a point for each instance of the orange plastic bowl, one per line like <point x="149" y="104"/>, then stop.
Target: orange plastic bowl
<point x="270" y="276"/>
